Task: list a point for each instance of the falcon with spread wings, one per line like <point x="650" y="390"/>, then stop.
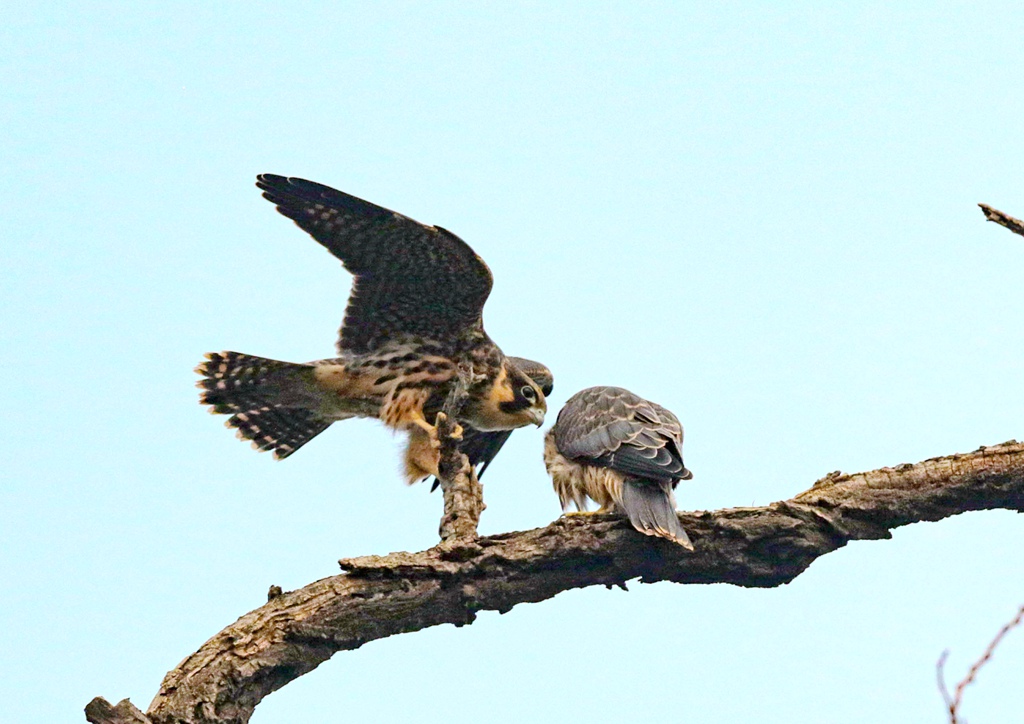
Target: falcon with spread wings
<point x="623" y="452"/>
<point x="413" y="330"/>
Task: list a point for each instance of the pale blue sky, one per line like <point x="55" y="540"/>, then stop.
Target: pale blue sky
<point x="763" y="219"/>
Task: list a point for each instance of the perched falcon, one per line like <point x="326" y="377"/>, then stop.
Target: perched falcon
<point x="482" y="447"/>
<point x="622" y="452"/>
<point x="414" y="320"/>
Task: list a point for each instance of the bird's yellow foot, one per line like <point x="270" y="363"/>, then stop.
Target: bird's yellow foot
<point x="575" y="513"/>
<point x="455" y="434"/>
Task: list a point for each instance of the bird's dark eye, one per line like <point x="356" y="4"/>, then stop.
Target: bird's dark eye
<point x="528" y="392"/>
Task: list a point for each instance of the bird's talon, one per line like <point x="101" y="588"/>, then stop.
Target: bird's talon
<point x="577" y="513"/>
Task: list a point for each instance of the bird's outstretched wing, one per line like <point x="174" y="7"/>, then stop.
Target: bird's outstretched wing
<point x="482" y="447"/>
<point x="613" y="428"/>
<point x="410" y="279"/>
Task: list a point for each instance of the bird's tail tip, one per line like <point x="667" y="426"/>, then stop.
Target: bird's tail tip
<point x="651" y="508"/>
<point x="264" y="398"/>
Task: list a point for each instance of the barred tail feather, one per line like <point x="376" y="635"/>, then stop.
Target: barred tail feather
<point x="651" y="507"/>
<point x="270" y="402"/>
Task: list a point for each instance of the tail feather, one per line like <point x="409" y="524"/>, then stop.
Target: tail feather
<point x="651" y="507"/>
<point x="269" y="401"/>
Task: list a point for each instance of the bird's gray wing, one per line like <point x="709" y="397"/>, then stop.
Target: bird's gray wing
<point x="613" y="428"/>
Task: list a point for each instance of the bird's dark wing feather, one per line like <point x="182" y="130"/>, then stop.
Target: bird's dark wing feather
<point x="613" y="428"/>
<point x="410" y="279"/>
<point x="483" y="447"/>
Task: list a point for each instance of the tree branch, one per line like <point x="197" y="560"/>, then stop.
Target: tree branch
<point x="1014" y="225"/>
<point x="380" y="596"/>
<point x="463" y="494"/>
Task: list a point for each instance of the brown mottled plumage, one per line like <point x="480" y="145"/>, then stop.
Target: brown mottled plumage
<point x="413" y="322"/>
<point x="624" y="453"/>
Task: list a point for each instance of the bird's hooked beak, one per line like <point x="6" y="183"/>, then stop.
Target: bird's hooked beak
<point x="536" y="415"/>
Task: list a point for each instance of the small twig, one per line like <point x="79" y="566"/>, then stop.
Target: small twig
<point x="1014" y="225"/>
<point x="940" y="674"/>
<point x="953" y="703"/>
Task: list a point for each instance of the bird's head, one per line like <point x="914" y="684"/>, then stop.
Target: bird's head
<point x="512" y="399"/>
<point x="528" y="403"/>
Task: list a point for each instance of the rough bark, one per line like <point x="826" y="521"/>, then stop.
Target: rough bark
<point x="463" y="494"/>
<point x="1014" y="225"/>
<point x="101" y="711"/>
<point x="379" y="596"/>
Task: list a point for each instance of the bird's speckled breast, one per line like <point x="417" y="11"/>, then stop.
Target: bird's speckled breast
<point x="574" y="483"/>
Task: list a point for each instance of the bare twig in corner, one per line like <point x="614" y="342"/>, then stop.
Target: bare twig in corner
<point x="953" y="702"/>
<point x="1014" y="225"/>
